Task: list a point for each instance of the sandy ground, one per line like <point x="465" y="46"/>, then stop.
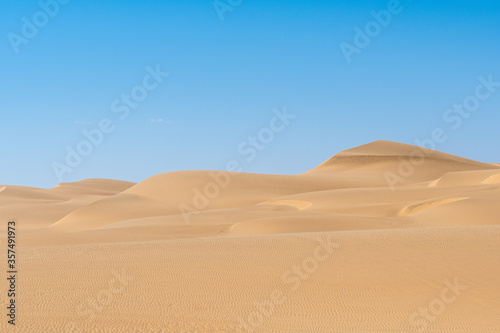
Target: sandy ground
<point x="385" y="237"/>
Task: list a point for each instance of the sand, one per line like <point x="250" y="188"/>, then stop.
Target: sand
<point x="385" y="237"/>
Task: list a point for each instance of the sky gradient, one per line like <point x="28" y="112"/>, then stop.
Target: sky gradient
<point x="228" y="78"/>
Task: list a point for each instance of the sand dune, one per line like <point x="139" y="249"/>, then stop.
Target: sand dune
<point x="419" y="206"/>
<point x="474" y="177"/>
<point x="335" y="249"/>
<point x="38" y="208"/>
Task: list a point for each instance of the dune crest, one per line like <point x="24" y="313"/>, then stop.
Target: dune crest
<point x="417" y="207"/>
<point x="209" y="251"/>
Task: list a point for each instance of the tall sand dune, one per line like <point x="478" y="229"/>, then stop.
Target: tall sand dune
<point x="340" y="248"/>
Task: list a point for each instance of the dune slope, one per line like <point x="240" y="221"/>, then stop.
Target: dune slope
<point x="385" y="237"/>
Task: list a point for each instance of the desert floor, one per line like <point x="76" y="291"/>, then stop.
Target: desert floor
<point x="385" y="238"/>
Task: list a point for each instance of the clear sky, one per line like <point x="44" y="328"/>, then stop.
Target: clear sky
<point x="231" y="67"/>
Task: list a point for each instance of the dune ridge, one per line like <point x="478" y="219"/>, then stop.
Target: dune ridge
<point x="205" y="268"/>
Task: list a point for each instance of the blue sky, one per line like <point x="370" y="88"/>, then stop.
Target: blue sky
<point x="227" y="76"/>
